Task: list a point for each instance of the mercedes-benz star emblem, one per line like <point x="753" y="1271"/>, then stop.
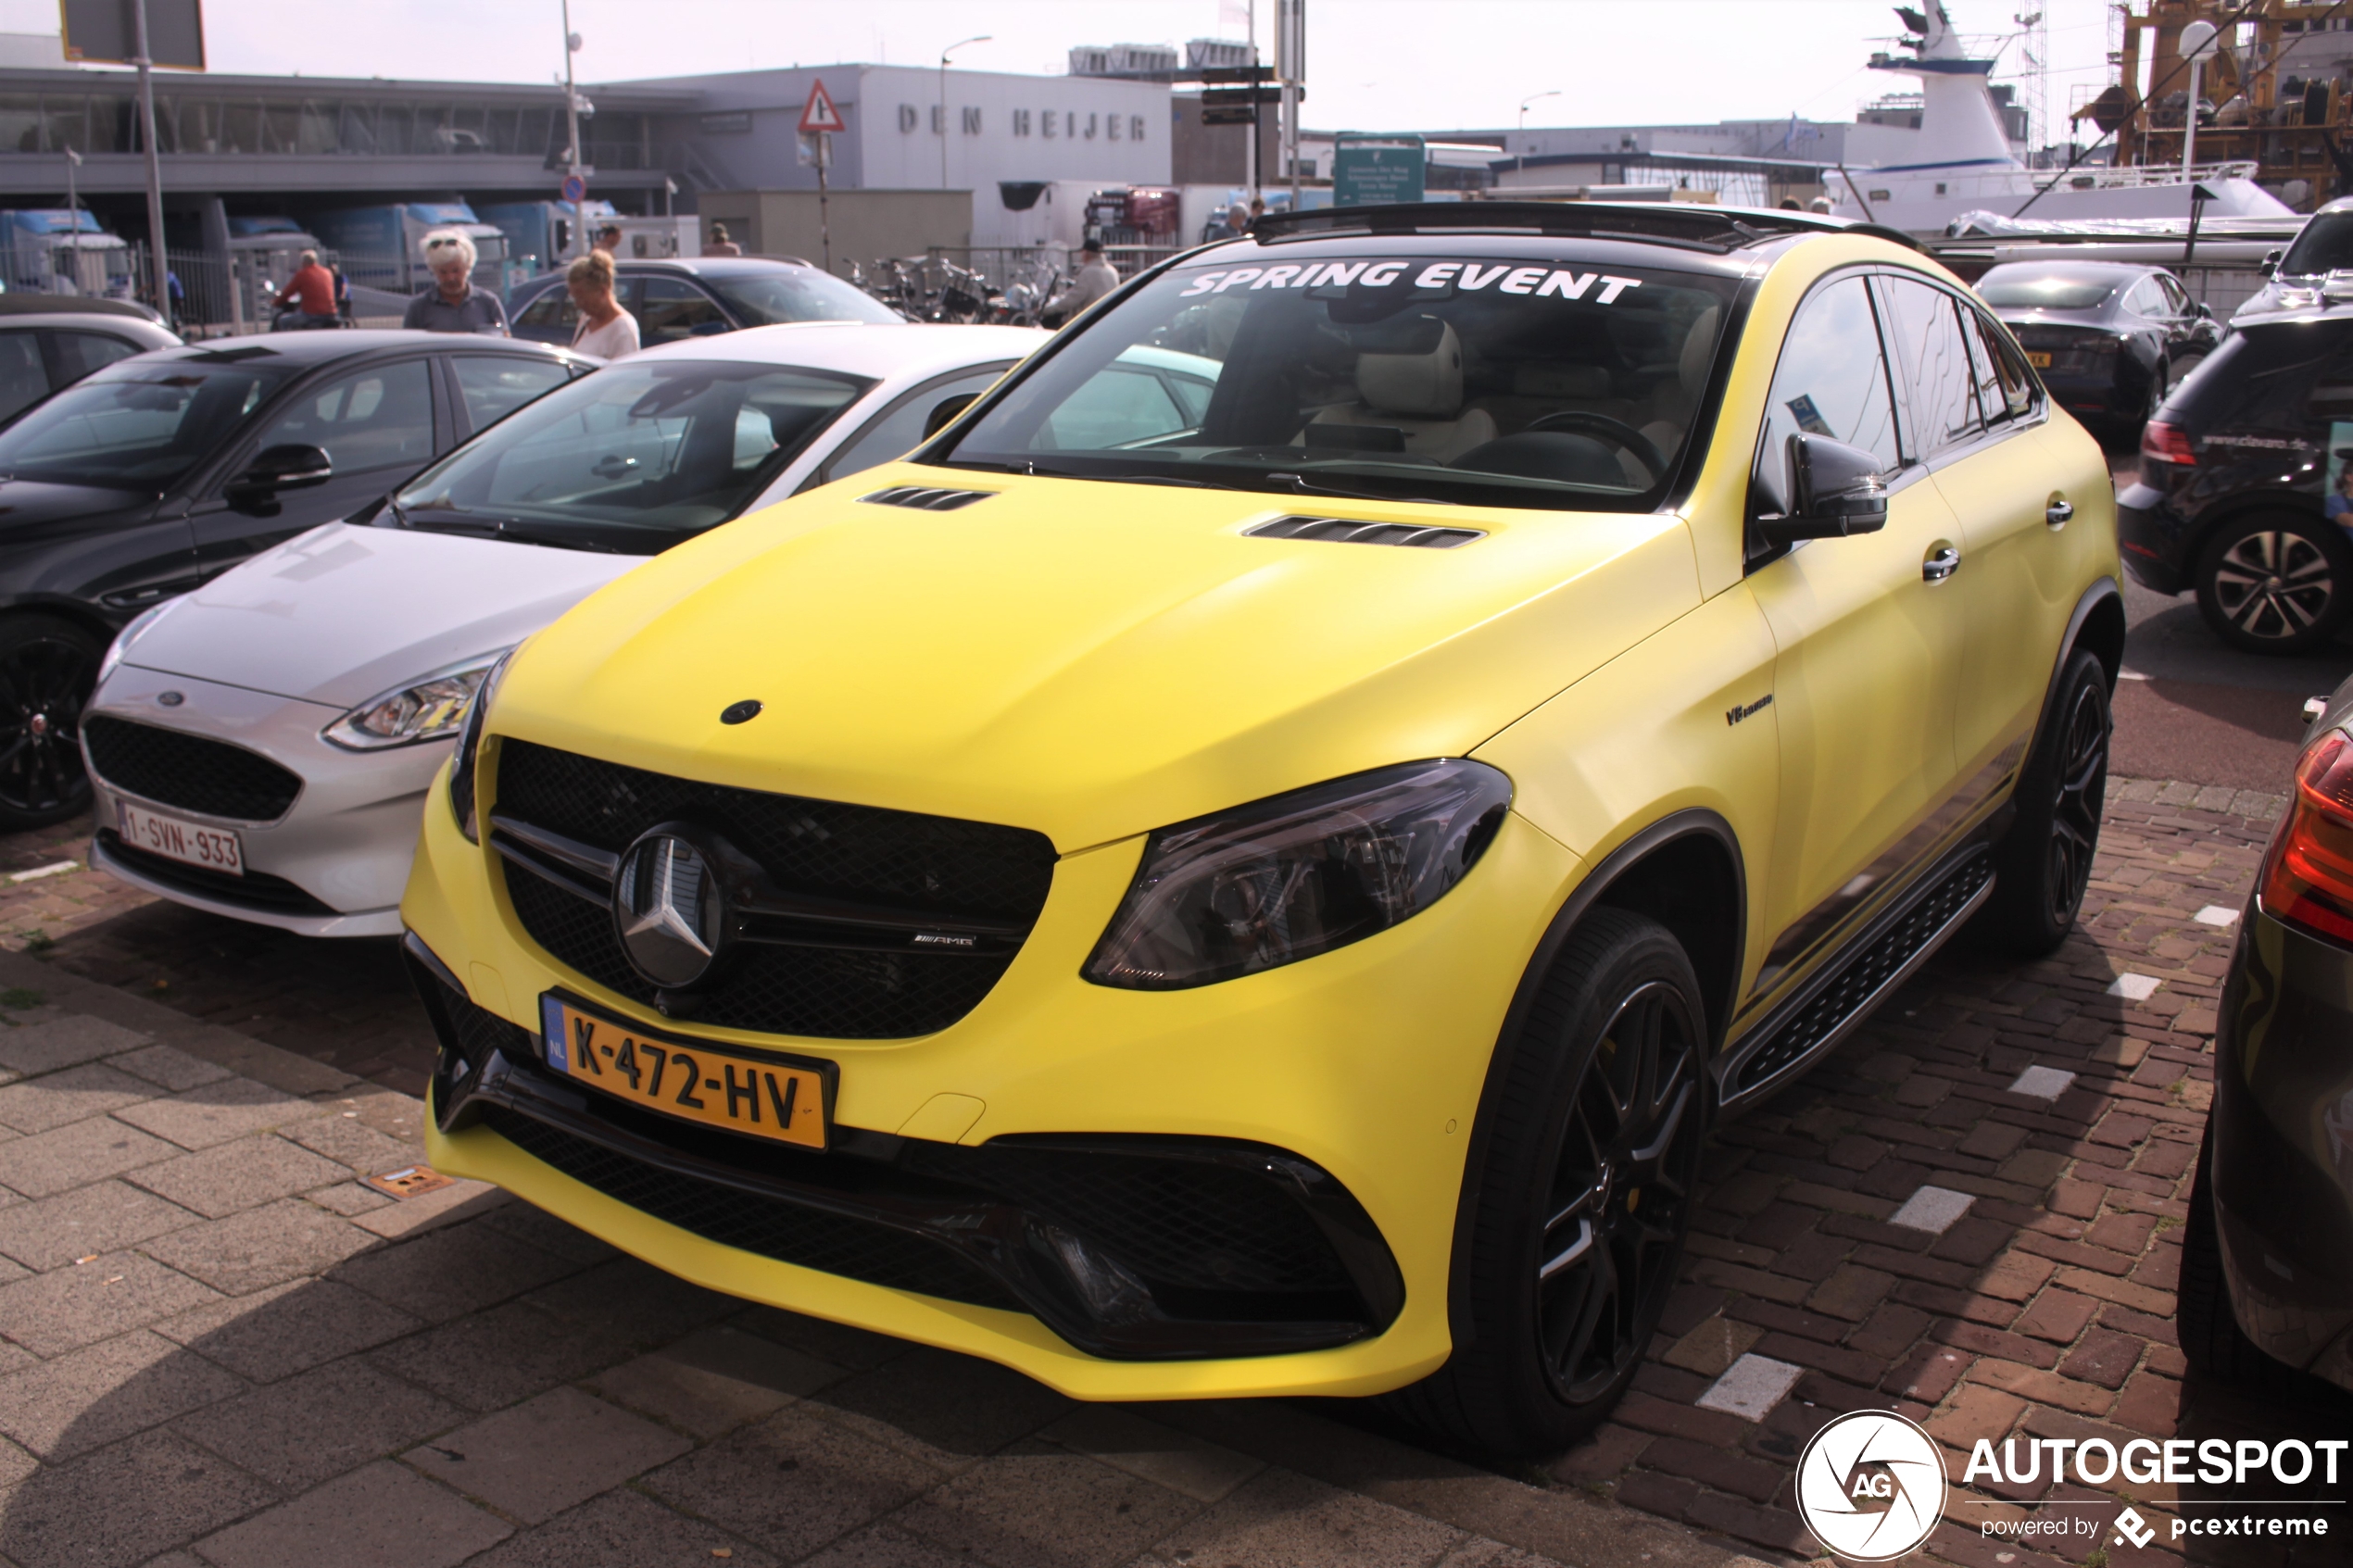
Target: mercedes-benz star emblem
<point x="669" y="910"/>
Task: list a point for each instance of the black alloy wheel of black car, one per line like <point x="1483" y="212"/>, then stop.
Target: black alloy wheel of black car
<point x="2045" y="862"/>
<point x="1581" y="1197"/>
<point x="2275" y="583"/>
<point x="47" y="669"/>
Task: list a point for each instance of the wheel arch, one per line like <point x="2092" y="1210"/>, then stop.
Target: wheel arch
<point x="65" y="607"/>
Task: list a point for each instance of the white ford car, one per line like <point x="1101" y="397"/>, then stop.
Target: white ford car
<point x="259" y="748"/>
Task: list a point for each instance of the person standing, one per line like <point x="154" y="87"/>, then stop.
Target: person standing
<point x="455" y="303"/>
<point x="608" y="239"/>
<point x="1095" y="278"/>
<point x="719" y="243"/>
<point x="311" y="290"/>
<point x="1232" y="225"/>
<point x="606" y="330"/>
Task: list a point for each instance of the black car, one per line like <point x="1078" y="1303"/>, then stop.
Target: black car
<point x="2267" y="1255"/>
<point x="2242" y="494"/>
<point x="679" y="299"/>
<point x="2109" y="337"/>
<point x="162" y="470"/>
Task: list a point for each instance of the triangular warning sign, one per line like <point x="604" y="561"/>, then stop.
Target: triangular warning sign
<point x="819" y="114"/>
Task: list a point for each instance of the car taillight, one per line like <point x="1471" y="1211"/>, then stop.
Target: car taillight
<point x="2162" y="443"/>
<point x="2308" y="876"/>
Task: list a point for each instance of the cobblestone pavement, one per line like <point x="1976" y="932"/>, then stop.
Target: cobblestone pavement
<point x="315" y="1349"/>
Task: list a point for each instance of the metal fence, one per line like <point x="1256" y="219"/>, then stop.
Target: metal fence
<point x="1006" y="264"/>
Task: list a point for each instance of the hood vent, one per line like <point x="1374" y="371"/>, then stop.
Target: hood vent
<point x="926" y="500"/>
<point x="1356" y="530"/>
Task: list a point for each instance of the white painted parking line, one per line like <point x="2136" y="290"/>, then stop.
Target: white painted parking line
<point x="37" y="873"/>
<point x="1751" y="1388"/>
<point x="2215" y="914"/>
<point x="2134" y="987"/>
<point x="1932" y="1209"/>
<point x="2042" y="1083"/>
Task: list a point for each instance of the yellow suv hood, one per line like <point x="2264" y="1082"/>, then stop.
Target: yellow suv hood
<point x="1088" y="660"/>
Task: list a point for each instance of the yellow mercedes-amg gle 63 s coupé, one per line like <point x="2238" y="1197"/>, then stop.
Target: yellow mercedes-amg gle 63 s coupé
<point x="1249" y="864"/>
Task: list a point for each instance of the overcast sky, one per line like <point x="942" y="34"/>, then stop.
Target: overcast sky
<point x="1374" y="65"/>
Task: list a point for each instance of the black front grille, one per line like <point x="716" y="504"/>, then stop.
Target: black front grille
<point x="955" y="867"/>
<point x="772" y="1228"/>
<point x="172" y="768"/>
<point x="255" y="890"/>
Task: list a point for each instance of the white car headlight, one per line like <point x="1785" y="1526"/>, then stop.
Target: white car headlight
<point x="112" y="659"/>
<point x="431" y="709"/>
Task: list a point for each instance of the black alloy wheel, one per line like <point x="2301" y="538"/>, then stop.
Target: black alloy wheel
<point x="1621" y="1193"/>
<point x="2044" y="864"/>
<point x="2275" y="585"/>
<point x="47" y="669"/>
<point x="1578" y="1197"/>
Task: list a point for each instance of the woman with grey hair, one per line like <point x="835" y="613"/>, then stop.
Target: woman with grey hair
<point x="454" y="304"/>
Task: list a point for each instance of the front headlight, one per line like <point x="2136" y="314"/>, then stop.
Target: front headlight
<point x="431" y="709"/>
<point x="1285" y="879"/>
<point x="112" y="658"/>
<point x="461" y="766"/>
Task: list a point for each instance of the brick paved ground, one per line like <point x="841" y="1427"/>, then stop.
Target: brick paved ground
<point x="2043" y="1311"/>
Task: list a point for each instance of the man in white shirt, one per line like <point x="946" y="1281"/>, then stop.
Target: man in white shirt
<point x="606" y="330"/>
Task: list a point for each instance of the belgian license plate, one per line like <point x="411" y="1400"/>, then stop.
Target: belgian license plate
<point x="216" y="850"/>
<point x="2040" y="359"/>
<point x="694" y="1080"/>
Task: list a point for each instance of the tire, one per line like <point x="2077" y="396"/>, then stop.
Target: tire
<point x="49" y="667"/>
<point x="2211" y="1340"/>
<point x="2044" y="861"/>
<point x="1586" y="1161"/>
<point x="2275" y="582"/>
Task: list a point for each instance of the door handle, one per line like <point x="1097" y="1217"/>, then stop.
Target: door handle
<point x="2057" y="512"/>
<point x="1941" y="562"/>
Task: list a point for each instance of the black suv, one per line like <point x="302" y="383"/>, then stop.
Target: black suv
<point x="165" y="469"/>
<point x="2243" y="493"/>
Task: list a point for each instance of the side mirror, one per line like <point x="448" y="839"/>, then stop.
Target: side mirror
<point x="2205" y="311"/>
<point x="285" y="467"/>
<point x="1835" y="490"/>
<point x="2270" y="265"/>
<point x="943" y="413"/>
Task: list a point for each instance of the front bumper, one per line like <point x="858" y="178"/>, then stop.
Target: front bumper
<point x="333" y="865"/>
<point x="1364" y="1065"/>
<point x="2283" y="1146"/>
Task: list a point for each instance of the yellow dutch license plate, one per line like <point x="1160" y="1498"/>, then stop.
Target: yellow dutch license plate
<point x="2039" y="360"/>
<point x="697" y="1081"/>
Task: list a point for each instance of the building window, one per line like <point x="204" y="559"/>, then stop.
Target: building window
<point x="1135" y="127"/>
<point x="971" y="120"/>
<point x="1021" y="122"/>
<point x="906" y="119"/>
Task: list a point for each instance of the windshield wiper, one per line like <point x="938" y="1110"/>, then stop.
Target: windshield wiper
<point x="505" y="528"/>
<point x="1301" y="484"/>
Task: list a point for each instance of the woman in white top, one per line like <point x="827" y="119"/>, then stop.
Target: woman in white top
<point x="606" y="330"/>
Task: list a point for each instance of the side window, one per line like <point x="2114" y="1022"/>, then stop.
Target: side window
<point x="898" y="429"/>
<point x="1940" y="402"/>
<point x="2177" y="298"/>
<point x="553" y="310"/>
<point x="497" y="384"/>
<point x="2003" y="389"/>
<point x="670" y="309"/>
<point x="81" y="353"/>
<point x="1118" y="407"/>
<point x="1831" y="381"/>
<point x="2144" y="298"/>
<point x="378" y="417"/>
<point x="22" y="380"/>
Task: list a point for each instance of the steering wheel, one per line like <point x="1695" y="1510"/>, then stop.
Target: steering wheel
<point x="1616" y="431"/>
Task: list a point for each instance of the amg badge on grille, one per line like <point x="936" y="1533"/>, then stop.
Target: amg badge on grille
<point x="668" y="908"/>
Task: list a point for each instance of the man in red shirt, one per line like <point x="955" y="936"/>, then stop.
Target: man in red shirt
<point x="312" y="288"/>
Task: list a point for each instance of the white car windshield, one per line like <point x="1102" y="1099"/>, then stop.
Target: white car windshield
<point x="632" y="458"/>
<point x="1500" y="381"/>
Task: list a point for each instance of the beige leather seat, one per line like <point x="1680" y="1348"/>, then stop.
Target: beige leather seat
<point x="1420" y="395"/>
<point x="1671" y="414"/>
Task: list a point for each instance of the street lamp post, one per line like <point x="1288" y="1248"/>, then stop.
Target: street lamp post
<point x="1521" y="165"/>
<point x="157" y="267"/>
<point x="572" y="112"/>
<point x="980" y="38"/>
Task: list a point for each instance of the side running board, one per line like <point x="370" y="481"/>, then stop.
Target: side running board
<point x="1812" y="1022"/>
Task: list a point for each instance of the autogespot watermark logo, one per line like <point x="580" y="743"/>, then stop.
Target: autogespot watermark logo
<point x="1871" y="1485"/>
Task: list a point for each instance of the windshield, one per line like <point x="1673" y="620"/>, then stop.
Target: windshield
<point x="763" y="299"/>
<point x="1499" y="381"/>
<point x="632" y="458"/>
<point x="2325" y="245"/>
<point x="2008" y="290"/>
<point x="137" y="427"/>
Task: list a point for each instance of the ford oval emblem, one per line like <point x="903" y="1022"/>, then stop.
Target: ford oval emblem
<point x="171" y="700"/>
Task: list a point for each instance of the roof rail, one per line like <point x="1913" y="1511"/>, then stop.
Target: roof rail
<point x="1716" y="227"/>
